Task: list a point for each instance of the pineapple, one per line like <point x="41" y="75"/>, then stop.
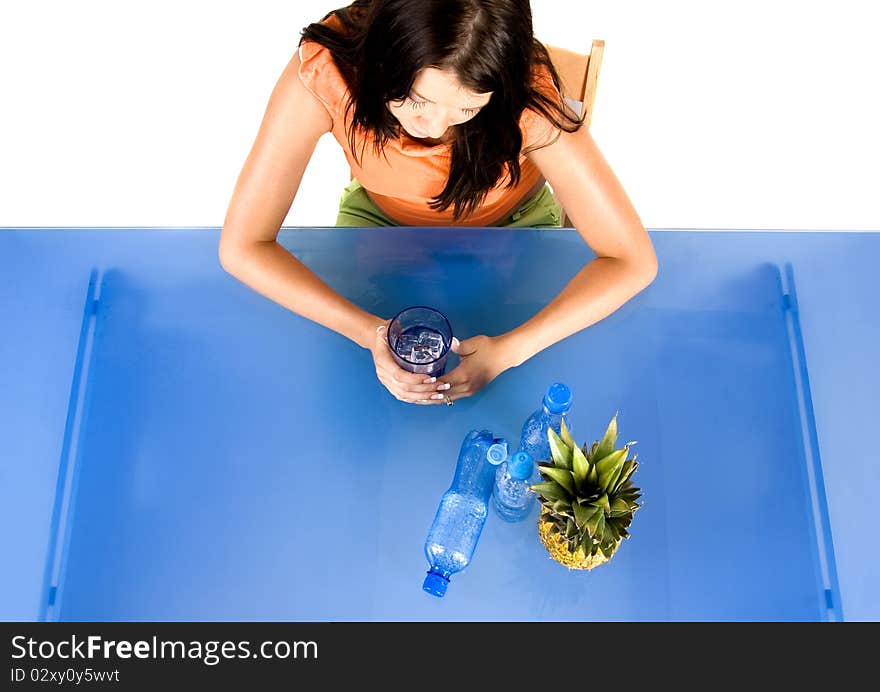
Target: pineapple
<point x="587" y="498"/>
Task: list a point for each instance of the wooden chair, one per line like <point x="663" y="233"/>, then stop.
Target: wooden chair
<point x="579" y="74"/>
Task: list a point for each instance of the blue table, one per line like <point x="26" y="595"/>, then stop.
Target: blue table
<point x="175" y="446"/>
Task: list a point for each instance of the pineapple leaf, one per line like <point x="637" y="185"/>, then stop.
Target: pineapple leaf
<point x="609" y="460"/>
<point x="565" y="435"/>
<point x="561" y="476"/>
<point x="593" y="476"/>
<point x="580" y="467"/>
<point x="606" y="446"/>
<point x="620" y="523"/>
<point x="628" y="469"/>
<point x="560" y="452"/>
<point x="589" y="498"/>
<point x="619" y="507"/>
<point x="600" y="527"/>
<point x="630" y="495"/>
<point x="609" y="478"/>
<point x="603" y="503"/>
<point x="583" y="513"/>
<point x="592" y="524"/>
<point x="611" y="530"/>
<point x="609" y="467"/>
<point x="550" y="490"/>
<point x="586" y="544"/>
<point x="562" y="507"/>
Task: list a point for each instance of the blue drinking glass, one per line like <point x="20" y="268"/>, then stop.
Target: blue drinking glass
<point x="420" y="338"/>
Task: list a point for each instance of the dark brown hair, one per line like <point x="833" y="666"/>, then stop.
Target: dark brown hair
<point x="488" y="44"/>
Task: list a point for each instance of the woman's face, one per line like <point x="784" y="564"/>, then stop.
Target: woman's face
<point x="437" y="102"/>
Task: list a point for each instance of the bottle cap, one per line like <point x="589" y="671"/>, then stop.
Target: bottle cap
<point x="520" y="466"/>
<point x="435" y="584"/>
<point x="497" y="452"/>
<point x="558" y="398"/>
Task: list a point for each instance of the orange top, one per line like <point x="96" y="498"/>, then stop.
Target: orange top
<point x="409" y="174"/>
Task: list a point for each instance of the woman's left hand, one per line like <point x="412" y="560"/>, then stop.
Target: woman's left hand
<point x="482" y="360"/>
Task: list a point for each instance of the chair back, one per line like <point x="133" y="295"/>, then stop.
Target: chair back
<point x="579" y="74"/>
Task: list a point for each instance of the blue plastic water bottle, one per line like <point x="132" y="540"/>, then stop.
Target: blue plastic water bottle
<point x="554" y="407"/>
<point x="511" y="496"/>
<point x="459" y="521"/>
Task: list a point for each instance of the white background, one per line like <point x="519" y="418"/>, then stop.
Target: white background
<point x="756" y="114"/>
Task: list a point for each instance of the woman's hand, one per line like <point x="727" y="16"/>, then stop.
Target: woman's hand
<point x="403" y="385"/>
<point x="483" y="358"/>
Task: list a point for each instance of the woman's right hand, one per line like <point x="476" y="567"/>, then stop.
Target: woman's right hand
<point x="403" y="385"/>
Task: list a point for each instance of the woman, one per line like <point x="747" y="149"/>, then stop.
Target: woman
<point x="449" y="113"/>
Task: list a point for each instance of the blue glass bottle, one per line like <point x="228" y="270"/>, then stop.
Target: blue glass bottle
<point x="511" y="496"/>
<point x="554" y="408"/>
<point x="463" y="508"/>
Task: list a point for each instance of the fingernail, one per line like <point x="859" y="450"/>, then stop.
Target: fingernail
<point x="455" y="342"/>
<point x="436" y="396"/>
<point x="430" y="380"/>
<point x="443" y="386"/>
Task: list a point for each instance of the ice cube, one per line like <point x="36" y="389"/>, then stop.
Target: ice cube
<point x="433" y="341"/>
<point x="423" y="354"/>
<point x="405" y="344"/>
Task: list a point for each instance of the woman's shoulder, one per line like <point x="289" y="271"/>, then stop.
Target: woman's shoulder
<point x="320" y="74"/>
<point x="535" y="127"/>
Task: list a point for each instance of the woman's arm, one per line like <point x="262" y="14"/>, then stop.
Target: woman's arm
<point x="602" y="213"/>
<point x="625" y="263"/>
<point x="294" y="121"/>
